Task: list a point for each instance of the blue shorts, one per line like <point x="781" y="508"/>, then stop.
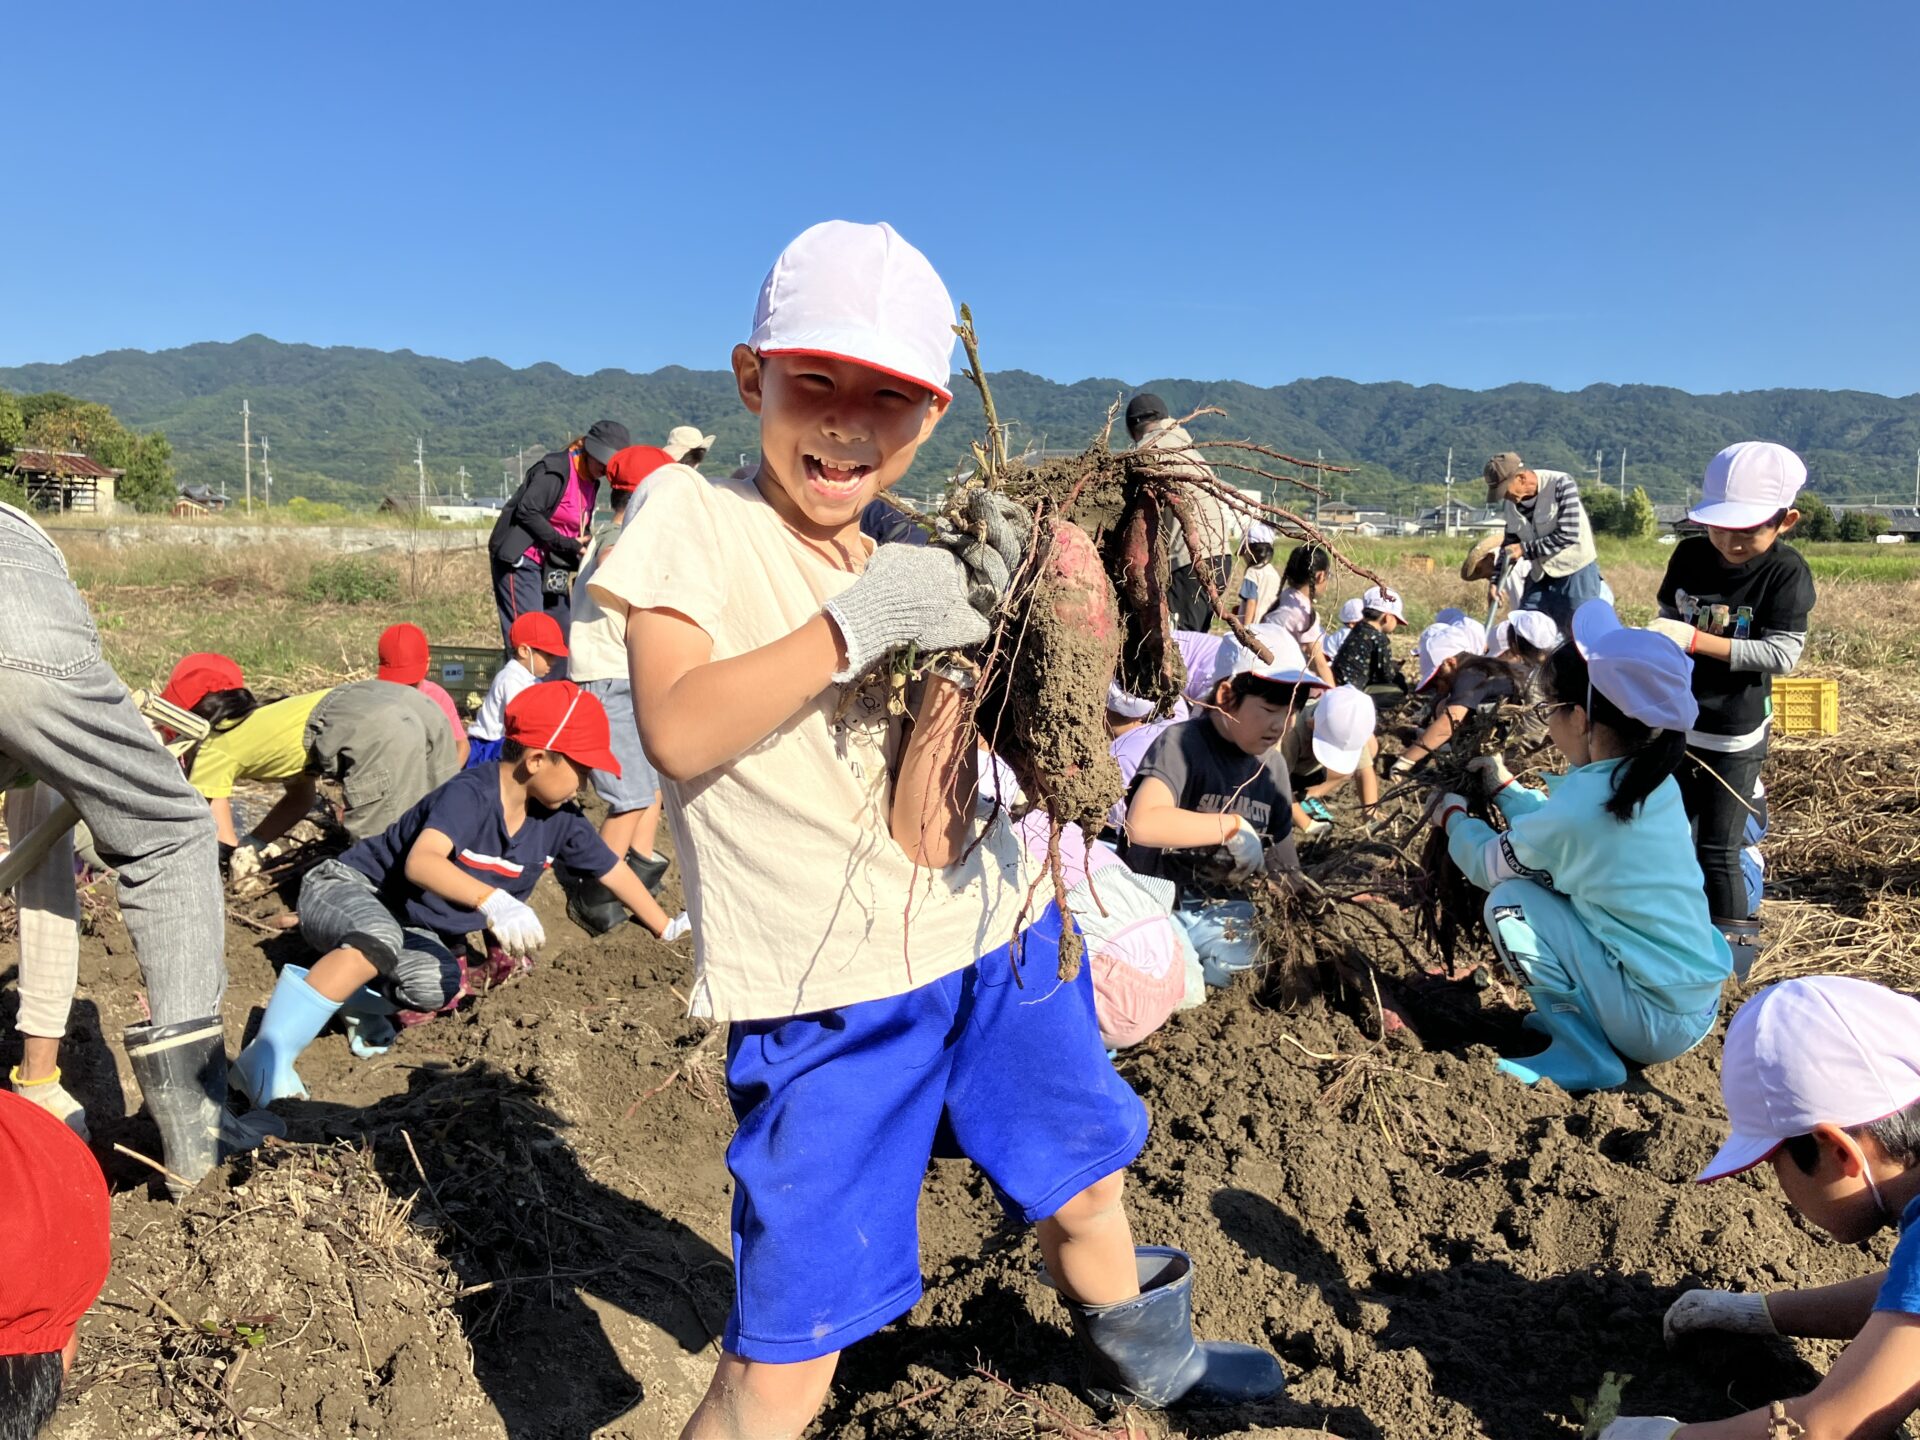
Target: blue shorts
<point x="840" y="1111"/>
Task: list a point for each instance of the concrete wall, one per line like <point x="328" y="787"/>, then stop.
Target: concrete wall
<point x="345" y="540"/>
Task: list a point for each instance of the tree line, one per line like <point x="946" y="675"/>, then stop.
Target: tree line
<point x="53" y="421"/>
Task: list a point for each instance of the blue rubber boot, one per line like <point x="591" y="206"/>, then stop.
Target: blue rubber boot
<point x="297" y="1012"/>
<point x="366" y="1016"/>
<point x="1142" y="1351"/>
<point x="1579" y="1057"/>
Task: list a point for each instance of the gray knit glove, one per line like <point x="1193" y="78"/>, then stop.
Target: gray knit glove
<point x="992" y="545"/>
<point x="909" y="595"/>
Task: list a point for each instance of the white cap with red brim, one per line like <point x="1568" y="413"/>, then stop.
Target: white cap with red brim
<point x="1342" y="724"/>
<point x="1746" y="485"/>
<point x="1826" y="1049"/>
<point x="862" y="294"/>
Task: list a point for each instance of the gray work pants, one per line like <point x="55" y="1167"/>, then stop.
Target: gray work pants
<point x="387" y="745"/>
<point x="66" y="718"/>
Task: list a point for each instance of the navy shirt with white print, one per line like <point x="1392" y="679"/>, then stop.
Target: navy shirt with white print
<point x="467" y="811"/>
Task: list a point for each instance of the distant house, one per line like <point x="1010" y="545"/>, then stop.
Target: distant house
<point x="1336" y="515"/>
<point x="185" y="507"/>
<point x="200" y="500"/>
<point x="1901" y="519"/>
<point x="1464" y="517"/>
<point x="65" y="480"/>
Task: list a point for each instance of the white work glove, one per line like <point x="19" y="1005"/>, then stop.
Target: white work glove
<point x="909" y="595"/>
<point x="513" y="924"/>
<point x="54" y="1098"/>
<point x="677" y="927"/>
<point x="1723" y="1310"/>
<point x="992" y="545"/>
<point x="1244" y="849"/>
<point x="1492" y="770"/>
<point x="1442" y="807"/>
<point x="251" y="854"/>
<point x="1678" y="631"/>
<point x="1314" y="829"/>
<point x="1402" y="768"/>
<point x="1641" y="1427"/>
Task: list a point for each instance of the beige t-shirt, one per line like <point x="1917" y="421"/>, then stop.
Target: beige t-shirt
<point x="800" y="899"/>
<point x="596" y="637"/>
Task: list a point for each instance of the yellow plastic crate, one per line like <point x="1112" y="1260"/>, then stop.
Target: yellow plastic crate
<point x="1803" y="705"/>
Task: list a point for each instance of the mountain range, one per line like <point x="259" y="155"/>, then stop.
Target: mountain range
<point x="342" y="422"/>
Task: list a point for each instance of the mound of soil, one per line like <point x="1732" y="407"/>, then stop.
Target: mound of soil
<point x="515" y="1224"/>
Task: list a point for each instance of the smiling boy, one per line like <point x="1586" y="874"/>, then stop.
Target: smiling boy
<point x="1738" y="602"/>
<point x="856" y="936"/>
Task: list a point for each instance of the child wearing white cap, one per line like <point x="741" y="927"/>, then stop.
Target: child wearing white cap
<point x="1365" y="658"/>
<point x="1133" y="731"/>
<point x="1305" y="576"/>
<point x="1738" y="602"/>
<point x="1210" y="804"/>
<point x="1459" y="679"/>
<point x="1526" y="638"/>
<point x="1592" y="904"/>
<point x="1352" y="612"/>
<point x="754" y="607"/>
<point x="1331" y="743"/>
<point x="1260" y="586"/>
<point x="1821" y="1078"/>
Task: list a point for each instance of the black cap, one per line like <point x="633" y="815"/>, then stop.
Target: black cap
<point x="1143" y="409"/>
<point x="607" y="439"/>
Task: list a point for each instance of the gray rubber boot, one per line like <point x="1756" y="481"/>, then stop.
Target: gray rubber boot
<point x="182" y="1073"/>
<point x="1142" y="1351"/>
<point x="1743" y="938"/>
<point x="590" y="905"/>
<point x="652" y="870"/>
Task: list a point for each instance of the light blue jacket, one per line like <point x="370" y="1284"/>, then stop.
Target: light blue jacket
<point x="1636" y="885"/>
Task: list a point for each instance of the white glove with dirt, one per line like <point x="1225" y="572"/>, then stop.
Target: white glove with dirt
<point x="1641" y="1427"/>
<point x="54" y="1098"/>
<point x="1442" y="808"/>
<point x="1492" y="770"/>
<point x="513" y="924"/>
<point x="1314" y="829"/>
<point x="992" y="546"/>
<point x="678" y="927"/>
<point x="1723" y="1310"/>
<point x="1245" y="849"/>
<point x="909" y="595"/>
<point x="251" y="854"/>
<point x="1678" y="631"/>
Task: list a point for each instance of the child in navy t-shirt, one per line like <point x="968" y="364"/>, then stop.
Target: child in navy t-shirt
<point x="396" y="906"/>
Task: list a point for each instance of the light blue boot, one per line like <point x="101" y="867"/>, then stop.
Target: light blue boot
<point x="297" y="1012"/>
<point x="366" y="1016"/>
<point x="1579" y="1057"/>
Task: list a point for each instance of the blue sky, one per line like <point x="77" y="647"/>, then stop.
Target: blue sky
<point x="1712" y="196"/>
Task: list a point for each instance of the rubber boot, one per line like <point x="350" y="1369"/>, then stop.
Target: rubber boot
<point x="590" y="905"/>
<point x="182" y="1073"/>
<point x="366" y="1016"/>
<point x="1579" y="1057"/>
<point x="297" y="1013"/>
<point x="1142" y="1351"/>
<point x="1743" y="938"/>
<point x="652" y="870"/>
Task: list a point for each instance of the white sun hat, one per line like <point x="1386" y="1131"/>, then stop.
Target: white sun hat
<point x="683" y="438"/>
<point x="1120" y="702"/>
<point x="1746" y="485"/>
<point x="1439" y="644"/>
<point x="858" y="293"/>
<point x="1353" y="611"/>
<point x="1288" y="666"/>
<point x="1343" y="722"/>
<point x="1641" y="671"/>
<point x="1387" y="602"/>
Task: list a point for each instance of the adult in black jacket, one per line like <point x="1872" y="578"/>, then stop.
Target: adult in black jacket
<point x="542" y="530"/>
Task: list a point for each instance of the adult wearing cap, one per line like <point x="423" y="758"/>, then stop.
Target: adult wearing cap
<point x="1821" y="1079"/>
<point x="1739" y="603"/>
<point x="1152" y="428"/>
<point x="541" y="533"/>
<point x="1331" y="743"/>
<point x="405" y="657"/>
<point x="1593" y="901"/>
<point x="55" y="1247"/>
<point x="1547" y="526"/>
<point x="67" y="720"/>
<point x="687" y="446"/>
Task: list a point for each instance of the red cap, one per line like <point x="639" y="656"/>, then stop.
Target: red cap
<point x="403" y="654"/>
<point x="54" y="1241"/>
<point x="201" y="675"/>
<point x="540" y="631"/>
<point x="558" y="715"/>
<point x="632" y="465"/>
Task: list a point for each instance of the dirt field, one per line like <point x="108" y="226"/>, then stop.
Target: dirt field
<point x="515" y="1223"/>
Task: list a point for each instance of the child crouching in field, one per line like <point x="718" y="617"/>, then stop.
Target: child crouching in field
<point x="1595" y="905"/>
<point x="537" y="643"/>
<point x="1821" y="1078"/>
<point x="1210" y="804"/>
<point x="397" y="906"/>
<point x="857" y="936"/>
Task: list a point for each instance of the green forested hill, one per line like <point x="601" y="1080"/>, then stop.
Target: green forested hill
<point x="342" y="421"/>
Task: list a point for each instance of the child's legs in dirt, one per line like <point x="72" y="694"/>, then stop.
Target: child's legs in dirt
<point x="1541" y="938"/>
<point x="1088" y="1245"/>
<point x="359" y="938"/>
<point x="1223" y="935"/>
<point x="756" y="1400"/>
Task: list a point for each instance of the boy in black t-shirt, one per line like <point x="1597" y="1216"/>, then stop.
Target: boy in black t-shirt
<point x="1738" y="602"/>
<point x="1366" y="658"/>
<point x="1211" y="804"/>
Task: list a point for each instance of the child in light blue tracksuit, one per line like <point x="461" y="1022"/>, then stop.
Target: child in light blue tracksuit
<point x="1596" y="903"/>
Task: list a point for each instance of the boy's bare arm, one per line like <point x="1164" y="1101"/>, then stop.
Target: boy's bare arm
<point x="938" y="781"/>
<point x="697" y="713"/>
<point x="430" y="866"/>
<point x="1153" y="819"/>
<point x="1873" y="1386"/>
<point x="1830" y="1312"/>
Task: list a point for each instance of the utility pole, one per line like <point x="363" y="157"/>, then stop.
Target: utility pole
<point x="266" y="467"/>
<point x="1623" y="474"/>
<point x="1449" y="492"/>
<point x="420" y="464"/>
<point x="1916" y="482"/>
<point x="1321" y="456"/>
<point x="246" y="446"/>
<point x="506" y="478"/>
<point x="463" y="484"/>
<point x="1598" y="455"/>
